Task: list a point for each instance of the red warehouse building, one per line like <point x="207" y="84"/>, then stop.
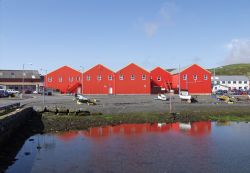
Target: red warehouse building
<point x="132" y="79"/>
<point x="99" y="80"/>
<point x="161" y="81"/>
<point x="64" y="79"/>
<point x="195" y="79"/>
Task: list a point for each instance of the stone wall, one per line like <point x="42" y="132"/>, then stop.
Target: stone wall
<point x="10" y="123"/>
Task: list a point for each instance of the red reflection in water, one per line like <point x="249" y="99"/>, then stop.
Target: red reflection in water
<point x="193" y="129"/>
<point x="67" y="136"/>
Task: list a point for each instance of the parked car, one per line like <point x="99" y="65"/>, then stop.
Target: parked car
<point x="47" y="92"/>
<point x="219" y="92"/>
<point x="12" y="91"/>
<point x="27" y="92"/>
<point x="3" y="93"/>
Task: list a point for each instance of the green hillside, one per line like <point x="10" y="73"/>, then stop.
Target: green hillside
<point x="233" y="69"/>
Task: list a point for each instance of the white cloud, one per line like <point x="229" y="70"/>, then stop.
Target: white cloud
<point x="239" y="51"/>
<point x="163" y="17"/>
<point x="151" y="29"/>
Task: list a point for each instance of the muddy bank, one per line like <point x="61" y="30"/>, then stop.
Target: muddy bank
<point x="54" y="123"/>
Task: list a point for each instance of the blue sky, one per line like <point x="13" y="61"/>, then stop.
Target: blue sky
<point x="52" y="33"/>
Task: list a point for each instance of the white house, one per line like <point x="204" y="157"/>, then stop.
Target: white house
<point x="230" y="83"/>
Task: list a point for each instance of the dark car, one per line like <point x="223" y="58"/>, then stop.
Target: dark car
<point x="219" y="92"/>
<point x="47" y="92"/>
<point x="3" y="93"/>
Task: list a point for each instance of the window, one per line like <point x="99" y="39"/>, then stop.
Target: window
<point x="88" y="77"/>
<point x="60" y="79"/>
<point x="159" y="78"/>
<point x="195" y="77"/>
<point x="50" y="79"/>
<point x="78" y="78"/>
<point x="205" y="77"/>
<point x="223" y="82"/>
<point x="240" y="82"/>
<point x="143" y="77"/>
<point x="185" y="77"/>
<point x="234" y="82"/>
<point x="229" y="82"/>
<point x="121" y="77"/>
<point x="245" y="88"/>
<point x="71" y="79"/>
<point x="245" y="82"/>
<point x="110" y="77"/>
<point x="132" y="77"/>
<point x="99" y="77"/>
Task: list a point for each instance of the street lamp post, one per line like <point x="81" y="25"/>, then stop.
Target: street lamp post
<point x="82" y="76"/>
<point x="23" y="77"/>
<point x="44" y="80"/>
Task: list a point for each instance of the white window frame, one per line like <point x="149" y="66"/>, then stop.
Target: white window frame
<point x="60" y="79"/>
<point x="99" y="77"/>
<point x="185" y="77"/>
<point x="121" y="77"/>
<point x="50" y="79"/>
<point x="143" y="77"/>
<point x="71" y="79"/>
<point x="195" y="77"/>
<point x="205" y="77"/>
<point x="88" y="78"/>
<point x="78" y="78"/>
<point x="158" y="78"/>
<point x="132" y="77"/>
<point x="110" y="77"/>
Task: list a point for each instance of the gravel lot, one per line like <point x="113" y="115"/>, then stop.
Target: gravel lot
<point x="120" y="104"/>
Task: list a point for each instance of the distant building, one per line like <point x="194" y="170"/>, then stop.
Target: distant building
<point x="230" y="83"/>
<point x="195" y="79"/>
<point x="99" y="80"/>
<point x="161" y="81"/>
<point x="132" y="79"/>
<point x="64" y="79"/>
<point x="16" y="79"/>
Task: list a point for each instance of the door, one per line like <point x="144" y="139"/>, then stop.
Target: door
<point x="110" y="90"/>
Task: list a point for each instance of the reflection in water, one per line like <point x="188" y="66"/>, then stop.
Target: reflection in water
<point x="178" y="147"/>
<point x="193" y="129"/>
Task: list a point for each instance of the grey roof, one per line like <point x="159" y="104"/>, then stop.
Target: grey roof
<point x="18" y="74"/>
<point x="231" y="78"/>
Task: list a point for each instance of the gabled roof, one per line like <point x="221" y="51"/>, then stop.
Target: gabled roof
<point x="65" y="66"/>
<point x="132" y="64"/>
<point x="176" y="71"/>
<point x="100" y="66"/>
<point x="18" y="74"/>
<point x="160" y="69"/>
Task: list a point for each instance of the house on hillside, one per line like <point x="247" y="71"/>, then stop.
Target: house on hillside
<point x="64" y="79"/>
<point x="195" y="79"/>
<point x="230" y="83"/>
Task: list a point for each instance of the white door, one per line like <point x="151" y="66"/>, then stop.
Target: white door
<point x="110" y="90"/>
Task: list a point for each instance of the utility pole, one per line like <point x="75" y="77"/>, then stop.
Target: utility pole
<point x="179" y="79"/>
<point x="82" y="77"/>
<point x="44" y="83"/>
